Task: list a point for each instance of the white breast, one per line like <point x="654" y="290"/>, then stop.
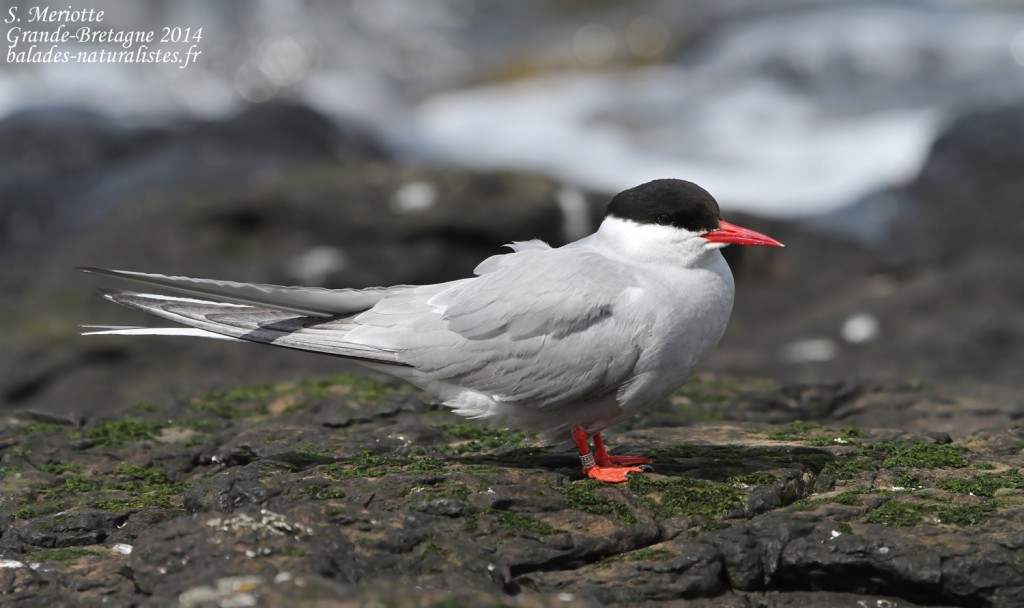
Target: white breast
<point x="694" y="305"/>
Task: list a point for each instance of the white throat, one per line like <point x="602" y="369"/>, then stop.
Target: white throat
<point x="651" y="243"/>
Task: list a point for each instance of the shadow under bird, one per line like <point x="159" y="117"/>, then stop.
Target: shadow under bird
<point x="565" y="341"/>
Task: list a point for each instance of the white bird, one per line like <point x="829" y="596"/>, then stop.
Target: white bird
<point x="565" y="341"/>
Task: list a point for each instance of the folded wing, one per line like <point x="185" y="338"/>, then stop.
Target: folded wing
<point x="547" y="331"/>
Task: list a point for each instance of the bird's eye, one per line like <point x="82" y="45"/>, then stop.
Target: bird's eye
<point x="664" y="219"/>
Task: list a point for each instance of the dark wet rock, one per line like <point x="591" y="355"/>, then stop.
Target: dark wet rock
<point x="76" y="186"/>
<point x="281" y="131"/>
<point x="183" y="553"/>
<point x="818" y="512"/>
<point x="65" y="169"/>
<point x="940" y="292"/>
<point x="969" y="190"/>
<point x="69" y="529"/>
<point x="449" y="507"/>
<point x="92" y="575"/>
<point x="229" y="490"/>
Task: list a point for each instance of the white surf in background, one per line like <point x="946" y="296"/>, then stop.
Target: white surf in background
<point x="782" y="110"/>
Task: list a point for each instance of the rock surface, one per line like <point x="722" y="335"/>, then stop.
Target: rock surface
<point x="348" y="489"/>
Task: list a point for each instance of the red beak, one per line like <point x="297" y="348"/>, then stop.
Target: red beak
<point x="731" y="233"/>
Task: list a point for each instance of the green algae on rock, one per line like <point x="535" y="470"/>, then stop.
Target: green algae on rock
<point x="391" y="492"/>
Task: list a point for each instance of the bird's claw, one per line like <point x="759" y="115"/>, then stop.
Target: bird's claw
<point x="611" y="474"/>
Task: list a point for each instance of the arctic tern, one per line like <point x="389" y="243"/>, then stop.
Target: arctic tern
<point x="565" y="341"/>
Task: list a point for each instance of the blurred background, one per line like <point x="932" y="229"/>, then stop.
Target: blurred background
<point x="374" y="142"/>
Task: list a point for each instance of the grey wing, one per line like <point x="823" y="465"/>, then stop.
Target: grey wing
<point x="555" y="328"/>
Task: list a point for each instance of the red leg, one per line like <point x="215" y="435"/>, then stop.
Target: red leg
<point x="603" y="472"/>
<point x="603" y="459"/>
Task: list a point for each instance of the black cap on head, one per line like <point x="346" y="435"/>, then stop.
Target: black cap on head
<point x="668" y="202"/>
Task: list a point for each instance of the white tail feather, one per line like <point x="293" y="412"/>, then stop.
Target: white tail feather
<point x="192" y="332"/>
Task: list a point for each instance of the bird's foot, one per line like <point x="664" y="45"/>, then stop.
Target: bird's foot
<point x="624" y="461"/>
<point x="599" y="465"/>
<point x="611" y="474"/>
<point x="602" y="458"/>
